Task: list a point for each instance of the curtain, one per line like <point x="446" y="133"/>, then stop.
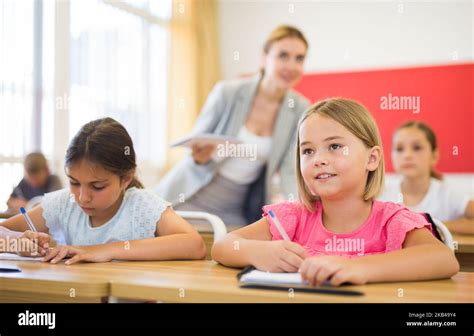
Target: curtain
<point x="194" y="66"/>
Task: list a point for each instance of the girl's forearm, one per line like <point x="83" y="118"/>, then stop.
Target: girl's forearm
<point x="235" y="251"/>
<point x="461" y="225"/>
<point x="171" y="247"/>
<point x="422" y="262"/>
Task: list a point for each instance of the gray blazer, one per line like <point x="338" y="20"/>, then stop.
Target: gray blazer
<point x="224" y="113"/>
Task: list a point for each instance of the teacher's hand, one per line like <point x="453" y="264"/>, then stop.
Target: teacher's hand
<point x="202" y="154"/>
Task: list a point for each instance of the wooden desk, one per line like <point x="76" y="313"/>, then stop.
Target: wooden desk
<point x="465" y="243"/>
<point x="208" y="236"/>
<point x="43" y="282"/>
<point x="465" y="251"/>
<point x="205" y="281"/>
<point x="193" y="281"/>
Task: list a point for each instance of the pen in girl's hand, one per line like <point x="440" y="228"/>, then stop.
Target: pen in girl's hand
<point x="278" y="225"/>
<point x="28" y="220"/>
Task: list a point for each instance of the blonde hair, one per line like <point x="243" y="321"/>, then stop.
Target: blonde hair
<point x="358" y="120"/>
<point x="282" y="32"/>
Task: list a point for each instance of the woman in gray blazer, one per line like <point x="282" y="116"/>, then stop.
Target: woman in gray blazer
<point x="262" y="112"/>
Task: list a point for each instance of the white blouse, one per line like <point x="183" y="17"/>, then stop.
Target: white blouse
<point x="136" y="218"/>
<point x="243" y="162"/>
<point x="442" y="201"/>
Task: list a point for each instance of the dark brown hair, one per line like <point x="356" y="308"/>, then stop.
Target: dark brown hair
<point x="430" y="136"/>
<point x="107" y="143"/>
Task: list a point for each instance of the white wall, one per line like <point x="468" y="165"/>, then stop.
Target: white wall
<point x="348" y="35"/>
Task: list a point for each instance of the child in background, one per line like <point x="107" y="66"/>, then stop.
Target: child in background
<point x="37" y="181"/>
<point x="104" y="214"/>
<point x="422" y="189"/>
<point x="338" y="232"/>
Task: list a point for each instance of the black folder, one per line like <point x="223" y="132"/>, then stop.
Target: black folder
<point x="325" y="289"/>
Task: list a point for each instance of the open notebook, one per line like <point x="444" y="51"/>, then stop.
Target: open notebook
<point x="12" y="256"/>
<point x="252" y="278"/>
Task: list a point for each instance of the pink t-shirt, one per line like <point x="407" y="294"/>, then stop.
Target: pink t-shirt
<point x="383" y="231"/>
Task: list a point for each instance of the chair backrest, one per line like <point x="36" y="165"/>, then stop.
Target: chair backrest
<point x="217" y="224"/>
<point x="35" y="201"/>
<point x="447" y="236"/>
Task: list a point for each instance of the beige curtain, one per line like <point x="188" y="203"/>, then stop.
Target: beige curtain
<point x="194" y="66"/>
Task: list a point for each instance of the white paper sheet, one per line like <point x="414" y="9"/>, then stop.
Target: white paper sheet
<point x="12" y="256"/>
<point x="256" y="276"/>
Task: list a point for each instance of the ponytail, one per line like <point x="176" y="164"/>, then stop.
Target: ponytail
<point x="135" y="183"/>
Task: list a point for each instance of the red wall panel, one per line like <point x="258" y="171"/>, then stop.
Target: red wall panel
<point x="445" y="96"/>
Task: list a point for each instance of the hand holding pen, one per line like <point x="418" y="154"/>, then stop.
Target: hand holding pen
<point x="31" y="242"/>
<point x="278" y="256"/>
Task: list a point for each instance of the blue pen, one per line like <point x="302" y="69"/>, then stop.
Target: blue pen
<point x="278" y="225"/>
<point x="28" y="220"/>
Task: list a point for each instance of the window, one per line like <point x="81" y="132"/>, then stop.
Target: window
<point x="118" y="56"/>
<point x="16" y="90"/>
<point x="120" y="67"/>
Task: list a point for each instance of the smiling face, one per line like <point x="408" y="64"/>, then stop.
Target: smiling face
<point x="412" y="154"/>
<point x="283" y="63"/>
<point x="97" y="191"/>
<point x="334" y="163"/>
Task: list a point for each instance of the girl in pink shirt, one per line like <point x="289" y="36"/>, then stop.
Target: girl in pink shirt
<point x="337" y="231"/>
